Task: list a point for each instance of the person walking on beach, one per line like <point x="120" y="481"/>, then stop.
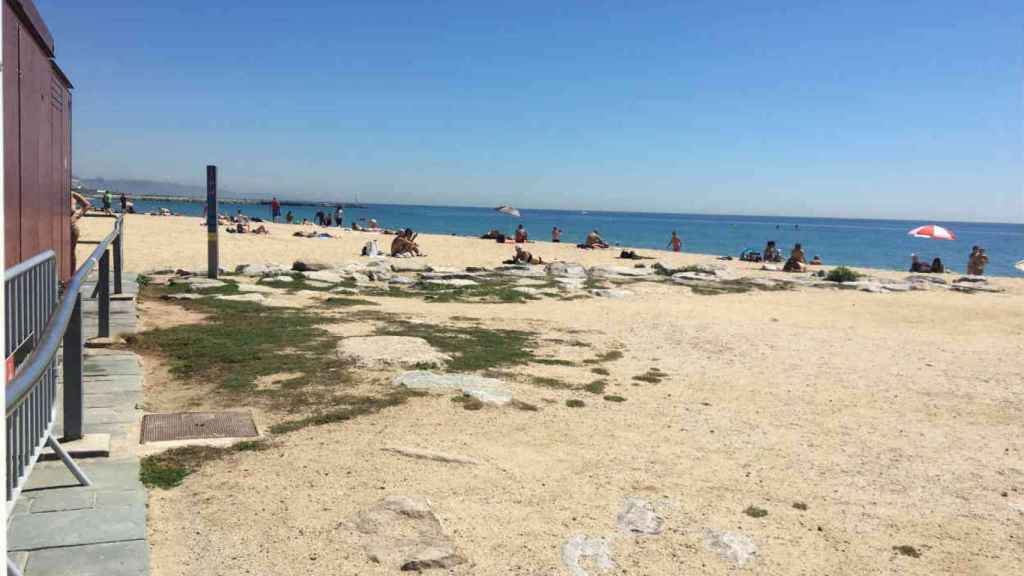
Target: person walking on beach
<point x="675" y="242"/>
<point x="556" y="234"/>
<point x="976" y="263"/>
<point x="339" y="216"/>
<point x="124" y="203"/>
<point x="107" y="200"/>
<point x="275" y="209"/>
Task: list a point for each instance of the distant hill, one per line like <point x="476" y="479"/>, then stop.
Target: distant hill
<point x="151" y="187"/>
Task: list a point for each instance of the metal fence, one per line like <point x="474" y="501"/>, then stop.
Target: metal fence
<point x="39" y="321"/>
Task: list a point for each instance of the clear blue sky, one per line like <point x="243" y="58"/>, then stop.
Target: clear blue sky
<point x="871" y="108"/>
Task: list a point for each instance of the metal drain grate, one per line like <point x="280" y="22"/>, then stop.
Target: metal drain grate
<point x="197" y="425"/>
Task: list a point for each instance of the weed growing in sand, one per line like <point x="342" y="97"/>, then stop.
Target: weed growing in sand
<point x="482" y="292"/>
<point x="596" y="387"/>
<point x="468" y="402"/>
<point x="574" y="403"/>
<point x="907" y="551"/>
<point x="472" y="348"/>
<point x="553" y="383"/>
<point x="652" y="376"/>
<point x="353" y="407"/>
<point x="600" y="371"/>
<point x="142" y="280"/>
<point x="614" y="398"/>
<point x="800" y="506"/>
<point x="842" y="274"/>
<point x="610" y="356"/>
<point x="170" y="468"/>
<point x="755" y="512"/>
<point x="553" y="362"/>
<point x="338" y="301"/>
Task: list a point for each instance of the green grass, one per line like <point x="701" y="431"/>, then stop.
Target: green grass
<point x="574" y="403"/>
<point x="353" y="407"/>
<point x="755" y="512"/>
<point x="485" y="291"/>
<point x="905" y="550"/>
<point x="600" y="371"/>
<point x="142" y="280"/>
<point x="842" y="274"/>
<point x="553" y="383"/>
<point x="652" y="376"/>
<point x="338" y="301"/>
<point x="610" y="356"/>
<point x="596" y="387"/>
<point x="553" y="362"/>
<point x="169" y="469"/>
<point x="614" y="398"/>
<point x="472" y="348"/>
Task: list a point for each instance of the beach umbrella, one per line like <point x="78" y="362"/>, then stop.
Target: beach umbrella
<point x="508" y="210"/>
<point x="1019" y="265"/>
<point x="932" y="231"/>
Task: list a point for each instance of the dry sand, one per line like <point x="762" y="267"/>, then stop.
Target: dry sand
<point x="895" y="417"/>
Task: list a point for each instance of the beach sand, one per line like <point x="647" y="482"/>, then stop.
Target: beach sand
<point x="896" y="418"/>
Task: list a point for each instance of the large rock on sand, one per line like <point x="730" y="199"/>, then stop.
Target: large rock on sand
<point x="638" y="517"/>
<point x="486" y="390"/>
<point x="567" y="269"/>
<point x="380" y="351"/>
<point x="730" y="546"/>
<point x="323" y="276"/>
<point x="261" y="269"/>
<point x="402" y="533"/>
<point x="308" y="266"/>
<point x="582" y="552"/>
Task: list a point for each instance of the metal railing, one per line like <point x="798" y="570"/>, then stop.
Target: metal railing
<point x="38" y="323"/>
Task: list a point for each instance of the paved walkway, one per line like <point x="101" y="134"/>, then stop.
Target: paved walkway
<point x="60" y="528"/>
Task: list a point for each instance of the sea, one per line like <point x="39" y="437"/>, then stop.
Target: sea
<point x="854" y="242"/>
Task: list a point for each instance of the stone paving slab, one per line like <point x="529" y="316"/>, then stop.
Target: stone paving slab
<point x="121" y="559"/>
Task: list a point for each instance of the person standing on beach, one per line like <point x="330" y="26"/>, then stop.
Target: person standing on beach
<point x="675" y="242"/>
<point x="339" y="216"/>
<point x="521" y="235"/>
<point x="124" y="203"/>
<point x="79" y="206"/>
<point x="107" y="200"/>
<point x="976" y="263"/>
<point x="275" y="209"/>
<point x="556" y="234"/>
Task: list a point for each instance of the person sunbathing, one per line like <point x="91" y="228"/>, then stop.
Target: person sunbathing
<point x="797" y="261"/>
<point x="816" y="261"/>
<point x="404" y="244"/>
<point x="594" y="240"/>
<point x="524" y="257"/>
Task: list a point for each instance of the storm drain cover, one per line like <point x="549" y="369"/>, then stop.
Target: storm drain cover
<point x="197" y="425"/>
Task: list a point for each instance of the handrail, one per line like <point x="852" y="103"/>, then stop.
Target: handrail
<point x="39" y="361"/>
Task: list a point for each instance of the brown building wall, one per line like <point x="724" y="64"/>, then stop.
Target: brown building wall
<point x="37" y="138"/>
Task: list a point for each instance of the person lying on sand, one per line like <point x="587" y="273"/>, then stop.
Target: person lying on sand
<point x="632" y="255"/>
<point x="594" y="240"/>
<point x="797" y="261"/>
<point x="404" y="244"/>
<point x="524" y="257"/>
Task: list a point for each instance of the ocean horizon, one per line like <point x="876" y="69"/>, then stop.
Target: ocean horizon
<point x="870" y="243"/>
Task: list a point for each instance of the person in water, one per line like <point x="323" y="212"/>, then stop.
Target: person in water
<point x="556" y="234"/>
<point x="521" y="235"/>
<point x="594" y="240"/>
<point x="797" y="260"/>
<point x="675" y="242"/>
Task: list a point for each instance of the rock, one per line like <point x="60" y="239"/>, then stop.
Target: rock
<point x="527" y="290"/>
<point x="318" y="284"/>
<point x="522" y="271"/>
<point x="308" y="266"/>
<point x="281" y="278"/>
<point x="402" y="532"/>
<point x="611" y="293"/>
<point x="638" y="517"/>
<point x="241" y="297"/>
<point x="975" y="288"/>
<point x="344" y="290"/>
<point x="690" y="277"/>
<point x="971" y="280"/>
<point x="897" y="287"/>
<point x="256" y="288"/>
<point x="617" y="272"/>
<point x="408" y="266"/>
<point x="403" y="280"/>
<point x="929" y="278"/>
<point x="765" y="282"/>
<point x="360" y="278"/>
<point x="181" y="296"/>
<point x="566" y="269"/>
<point x="444" y="270"/>
<point x="530" y="282"/>
<point x="487" y="390"/>
<point x="580" y="551"/>
<point x="198" y="282"/>
<point x="379" y="275"/>
<point x="261" y="269"/>
<point x="571" y="283"/>
<point x="380" y="351"/>
<point x="730" y="546"/>
<point x="454" y="282"/>
<point x="323" y="276"/>
<point x="431" y="455"/>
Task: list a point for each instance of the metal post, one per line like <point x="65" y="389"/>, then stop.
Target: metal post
<point x="118" y="253"/>
<point x="103" y="295"/>
<point x="66" y="458"/>
<point x="74" y="392"/>
<point x="212" y="256"/>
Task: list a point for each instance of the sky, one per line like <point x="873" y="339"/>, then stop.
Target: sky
<point x="848" y="109"/>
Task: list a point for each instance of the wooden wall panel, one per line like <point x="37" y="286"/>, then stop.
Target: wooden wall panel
<point x="12" y="153"/>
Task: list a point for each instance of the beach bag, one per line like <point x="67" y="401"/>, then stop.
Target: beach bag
<point x="371" y="249"/>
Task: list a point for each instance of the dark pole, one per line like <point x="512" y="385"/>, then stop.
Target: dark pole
<point x="74" y="394"/>
<point x="211" y="222"/>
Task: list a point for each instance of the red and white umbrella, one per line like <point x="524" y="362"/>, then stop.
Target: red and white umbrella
<point x="932" y="231"/>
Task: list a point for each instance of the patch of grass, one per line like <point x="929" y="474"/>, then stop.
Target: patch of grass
<point x="354" y="406"/>
<point x="596" y="387"/>
<point x="652" y="376"/>
<point x="482" y="292"/>
<point x="755" y="512"/>
<point x="472" y="348"/>
<point x="338" y="301"/>
<point x="156" y="474"/>
<point x="142" y="280"/>
<point x="614" y="398"/>
<point x="842" y="274"/>
<point x="741" y="286"/>
<point x="907" y="551"/>
<point x="468" y="402"/>
<point x="169" y="469"/>
<point x="574" y="297"/>
<point x="600" y="371"/>
<point x="574" y="403"/>
<point x="610" y="356"/>
<point x="800" y="506"/>
<point x="464" y="319"/>
<point x="251" y="446"/>
<point x="553" y="383"/>
<point x="553" y="362"/>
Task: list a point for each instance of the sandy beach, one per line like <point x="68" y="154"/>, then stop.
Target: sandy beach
<point x="864" y="425"/>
